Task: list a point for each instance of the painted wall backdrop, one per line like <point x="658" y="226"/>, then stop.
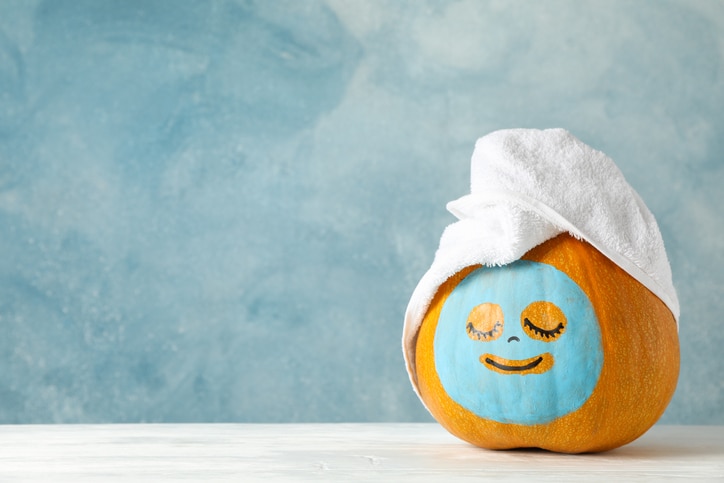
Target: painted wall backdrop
<point x="217" y="211"/>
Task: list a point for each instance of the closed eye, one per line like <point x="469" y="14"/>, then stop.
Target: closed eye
<point x="481" y="335"/>
<point x="548" y="334"/>
<point x="485" y="322"/>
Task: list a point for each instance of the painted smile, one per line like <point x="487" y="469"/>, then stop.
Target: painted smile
<point x="534" y="365"/>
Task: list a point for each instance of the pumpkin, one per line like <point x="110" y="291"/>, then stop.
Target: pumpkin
<point x="561" y="350"/>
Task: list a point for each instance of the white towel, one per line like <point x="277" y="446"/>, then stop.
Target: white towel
<point x="527" y="186"/>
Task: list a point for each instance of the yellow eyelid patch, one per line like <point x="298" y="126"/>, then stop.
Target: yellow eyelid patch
<point x="485" y="322"/>
<point x="543" y="321"/>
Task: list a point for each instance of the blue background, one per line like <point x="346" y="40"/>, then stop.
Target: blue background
<point x="217" y="211"/>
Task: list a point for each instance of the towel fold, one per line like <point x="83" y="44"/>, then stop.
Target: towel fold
<point x="528" y="186"/>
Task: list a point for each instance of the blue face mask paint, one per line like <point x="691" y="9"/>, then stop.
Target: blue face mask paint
<point x="516" y="367"/>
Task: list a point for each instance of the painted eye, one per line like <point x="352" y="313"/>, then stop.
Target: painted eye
<point x="543" y="321"/>
<point x="485" y="322"/>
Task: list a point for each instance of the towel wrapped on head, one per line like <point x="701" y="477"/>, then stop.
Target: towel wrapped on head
<point x="528" y="186"/>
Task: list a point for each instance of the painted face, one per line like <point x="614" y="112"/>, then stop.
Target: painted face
<point x="518" y="344"/>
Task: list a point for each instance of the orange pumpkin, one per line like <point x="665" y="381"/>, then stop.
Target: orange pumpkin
<point x="632" y="365"/>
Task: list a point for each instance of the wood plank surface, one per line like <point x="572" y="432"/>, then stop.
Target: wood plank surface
<point x="335" y="452"/>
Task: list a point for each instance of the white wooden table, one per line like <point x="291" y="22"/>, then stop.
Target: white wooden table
<point x="335" y="452"/>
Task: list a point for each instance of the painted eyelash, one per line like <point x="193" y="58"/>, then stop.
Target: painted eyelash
<point x="481" y="335"/>
<point x="548" y="334"/>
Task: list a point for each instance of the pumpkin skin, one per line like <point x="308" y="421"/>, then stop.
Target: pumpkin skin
<point x="629" y="391"/>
